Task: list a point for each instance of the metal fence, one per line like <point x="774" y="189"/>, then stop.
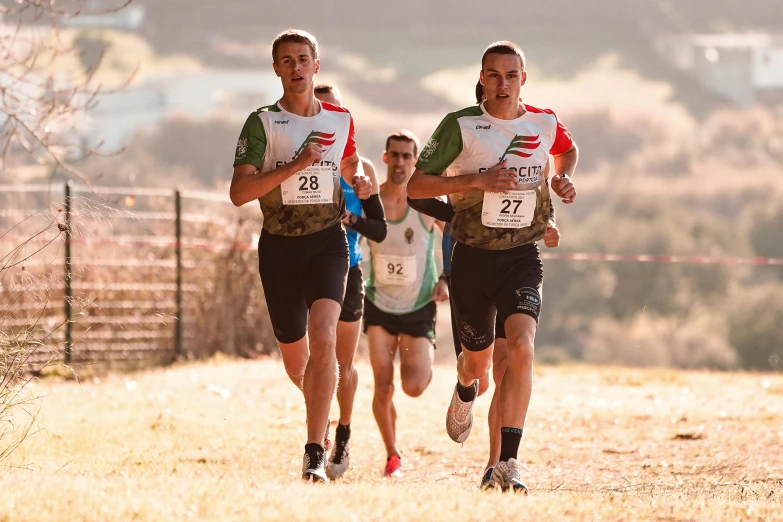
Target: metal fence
<point x="117" y="276"/>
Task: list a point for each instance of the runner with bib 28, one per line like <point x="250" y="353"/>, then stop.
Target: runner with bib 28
<point x="497" y="157"/>
<point x="290" y="156"/>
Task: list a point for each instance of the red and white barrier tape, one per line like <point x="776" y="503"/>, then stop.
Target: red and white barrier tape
<point x="169" y="242"/>
<point x="694" y="260"/>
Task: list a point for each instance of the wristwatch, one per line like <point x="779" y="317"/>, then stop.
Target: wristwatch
<point x="352" y="219"/>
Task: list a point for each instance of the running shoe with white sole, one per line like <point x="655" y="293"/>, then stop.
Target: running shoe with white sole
<point x="338" y="459"/>
<point x="313" y="471"/>
<point x="459" y="418"/>
<point x="508" y="476"/>
<point x="486" y="480"/>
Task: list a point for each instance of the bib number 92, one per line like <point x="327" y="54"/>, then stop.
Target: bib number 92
<point x="395" y="269"/>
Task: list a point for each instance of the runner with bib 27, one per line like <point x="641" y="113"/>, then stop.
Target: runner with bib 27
<point x="443" y="211"/>
<point x="497" y="157"/>
<point x="290" y="156"/>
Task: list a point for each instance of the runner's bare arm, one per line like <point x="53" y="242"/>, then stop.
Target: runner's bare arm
<point x="497" y="179"/>
<point x="566" y="163"/>
<point x="248" y="184"/>
<point x="564" y="167"/>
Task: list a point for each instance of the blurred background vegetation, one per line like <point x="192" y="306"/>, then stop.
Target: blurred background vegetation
<point x="677" y="107"/>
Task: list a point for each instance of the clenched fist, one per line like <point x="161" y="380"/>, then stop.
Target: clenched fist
<point x="362" y="186"/>
<point x="552" y="236"/>
<point x="564" y="188"/>
<point x="310" y="153"/>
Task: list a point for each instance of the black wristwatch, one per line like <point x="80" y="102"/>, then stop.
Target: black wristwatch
<point x="352" y="219"/>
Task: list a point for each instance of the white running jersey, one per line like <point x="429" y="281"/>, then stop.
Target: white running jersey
<point x="402" y="268"/>
<point x="310" y="200"/>
<point x="470" y="141"/>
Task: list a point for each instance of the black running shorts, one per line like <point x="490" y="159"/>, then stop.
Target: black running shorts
<point x="296" y="271"/>
<point x="420" y="323"/>
<point x="353" y="304"/>
<point x="488" y="286"/>
<point x="500" y="328"/>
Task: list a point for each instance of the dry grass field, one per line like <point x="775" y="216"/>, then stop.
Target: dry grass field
<point x="222" y="440"/>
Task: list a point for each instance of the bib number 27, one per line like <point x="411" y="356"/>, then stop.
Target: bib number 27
<point x="513" y="210"/>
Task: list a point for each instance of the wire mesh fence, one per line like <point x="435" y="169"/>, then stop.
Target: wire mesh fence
<point x="126" y="276"/>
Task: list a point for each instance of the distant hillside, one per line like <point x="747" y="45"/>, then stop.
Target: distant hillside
<point x="418" y="38"/>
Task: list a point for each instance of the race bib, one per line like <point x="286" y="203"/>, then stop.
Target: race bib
<point x="395" y="270"/>
<point x="513" y="210"/>
<point x="313" y="185"/>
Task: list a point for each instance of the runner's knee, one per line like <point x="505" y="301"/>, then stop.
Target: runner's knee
<point x="414" y="385"/>
<point x="520" y="351"/>
<point x="384" y="392"/>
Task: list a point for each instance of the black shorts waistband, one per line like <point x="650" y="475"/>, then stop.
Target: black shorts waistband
<point x="529" y="249"/>
<point x="337" y="227"/>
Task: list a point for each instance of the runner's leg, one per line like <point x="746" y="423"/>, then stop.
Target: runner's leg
<point x="383" y="348"/>
<point x="416" y="357"/>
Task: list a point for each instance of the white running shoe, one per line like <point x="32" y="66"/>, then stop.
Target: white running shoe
<point x="507" y="476"/>
<point x="459" y="418"/>
<point x="313" y="471"/>
<point x="338" y="459"/>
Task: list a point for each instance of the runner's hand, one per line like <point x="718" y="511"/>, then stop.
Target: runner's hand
<point x="552" y="236"/>
<point x="310" y="153"/>
<point x="497" y="179"/>
<point x="362" y="186"/>
<point x="562" y="186"/>
<point x="441" y="291"/>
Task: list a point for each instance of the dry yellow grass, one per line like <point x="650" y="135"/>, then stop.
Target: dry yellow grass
<point x="223" y="441"/>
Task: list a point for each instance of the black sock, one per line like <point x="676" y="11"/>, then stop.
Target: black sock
<point x="509" y="443"/>
<point x="316" y="453"/>
<point x="342" y="432"/>
<point x="466" y="393"/>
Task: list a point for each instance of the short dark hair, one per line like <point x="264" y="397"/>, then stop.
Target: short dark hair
<point x="504" y="47"/>
<point x="404" y="135"/>
<point x="294" y="36"/>
<point x="479" y="92"/>
<point x="328" y="88"/>
<point x="324" y="88"/>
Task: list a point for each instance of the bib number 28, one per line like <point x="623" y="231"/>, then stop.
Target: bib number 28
<point x="313" y="185"/>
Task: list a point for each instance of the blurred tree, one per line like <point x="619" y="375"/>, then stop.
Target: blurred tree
<point x="42" y="97"/>
<point x="755" y="325"/>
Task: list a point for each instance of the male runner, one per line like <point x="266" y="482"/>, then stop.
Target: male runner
<point x="290" y="156"/>
<point x="499" y="152"/>
<point x="400" y="309"/>
<point x="372" y="226"/>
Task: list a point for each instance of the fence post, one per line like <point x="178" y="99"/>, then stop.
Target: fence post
<point x="178" y="233"/>
<point x="68" y="288"/>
